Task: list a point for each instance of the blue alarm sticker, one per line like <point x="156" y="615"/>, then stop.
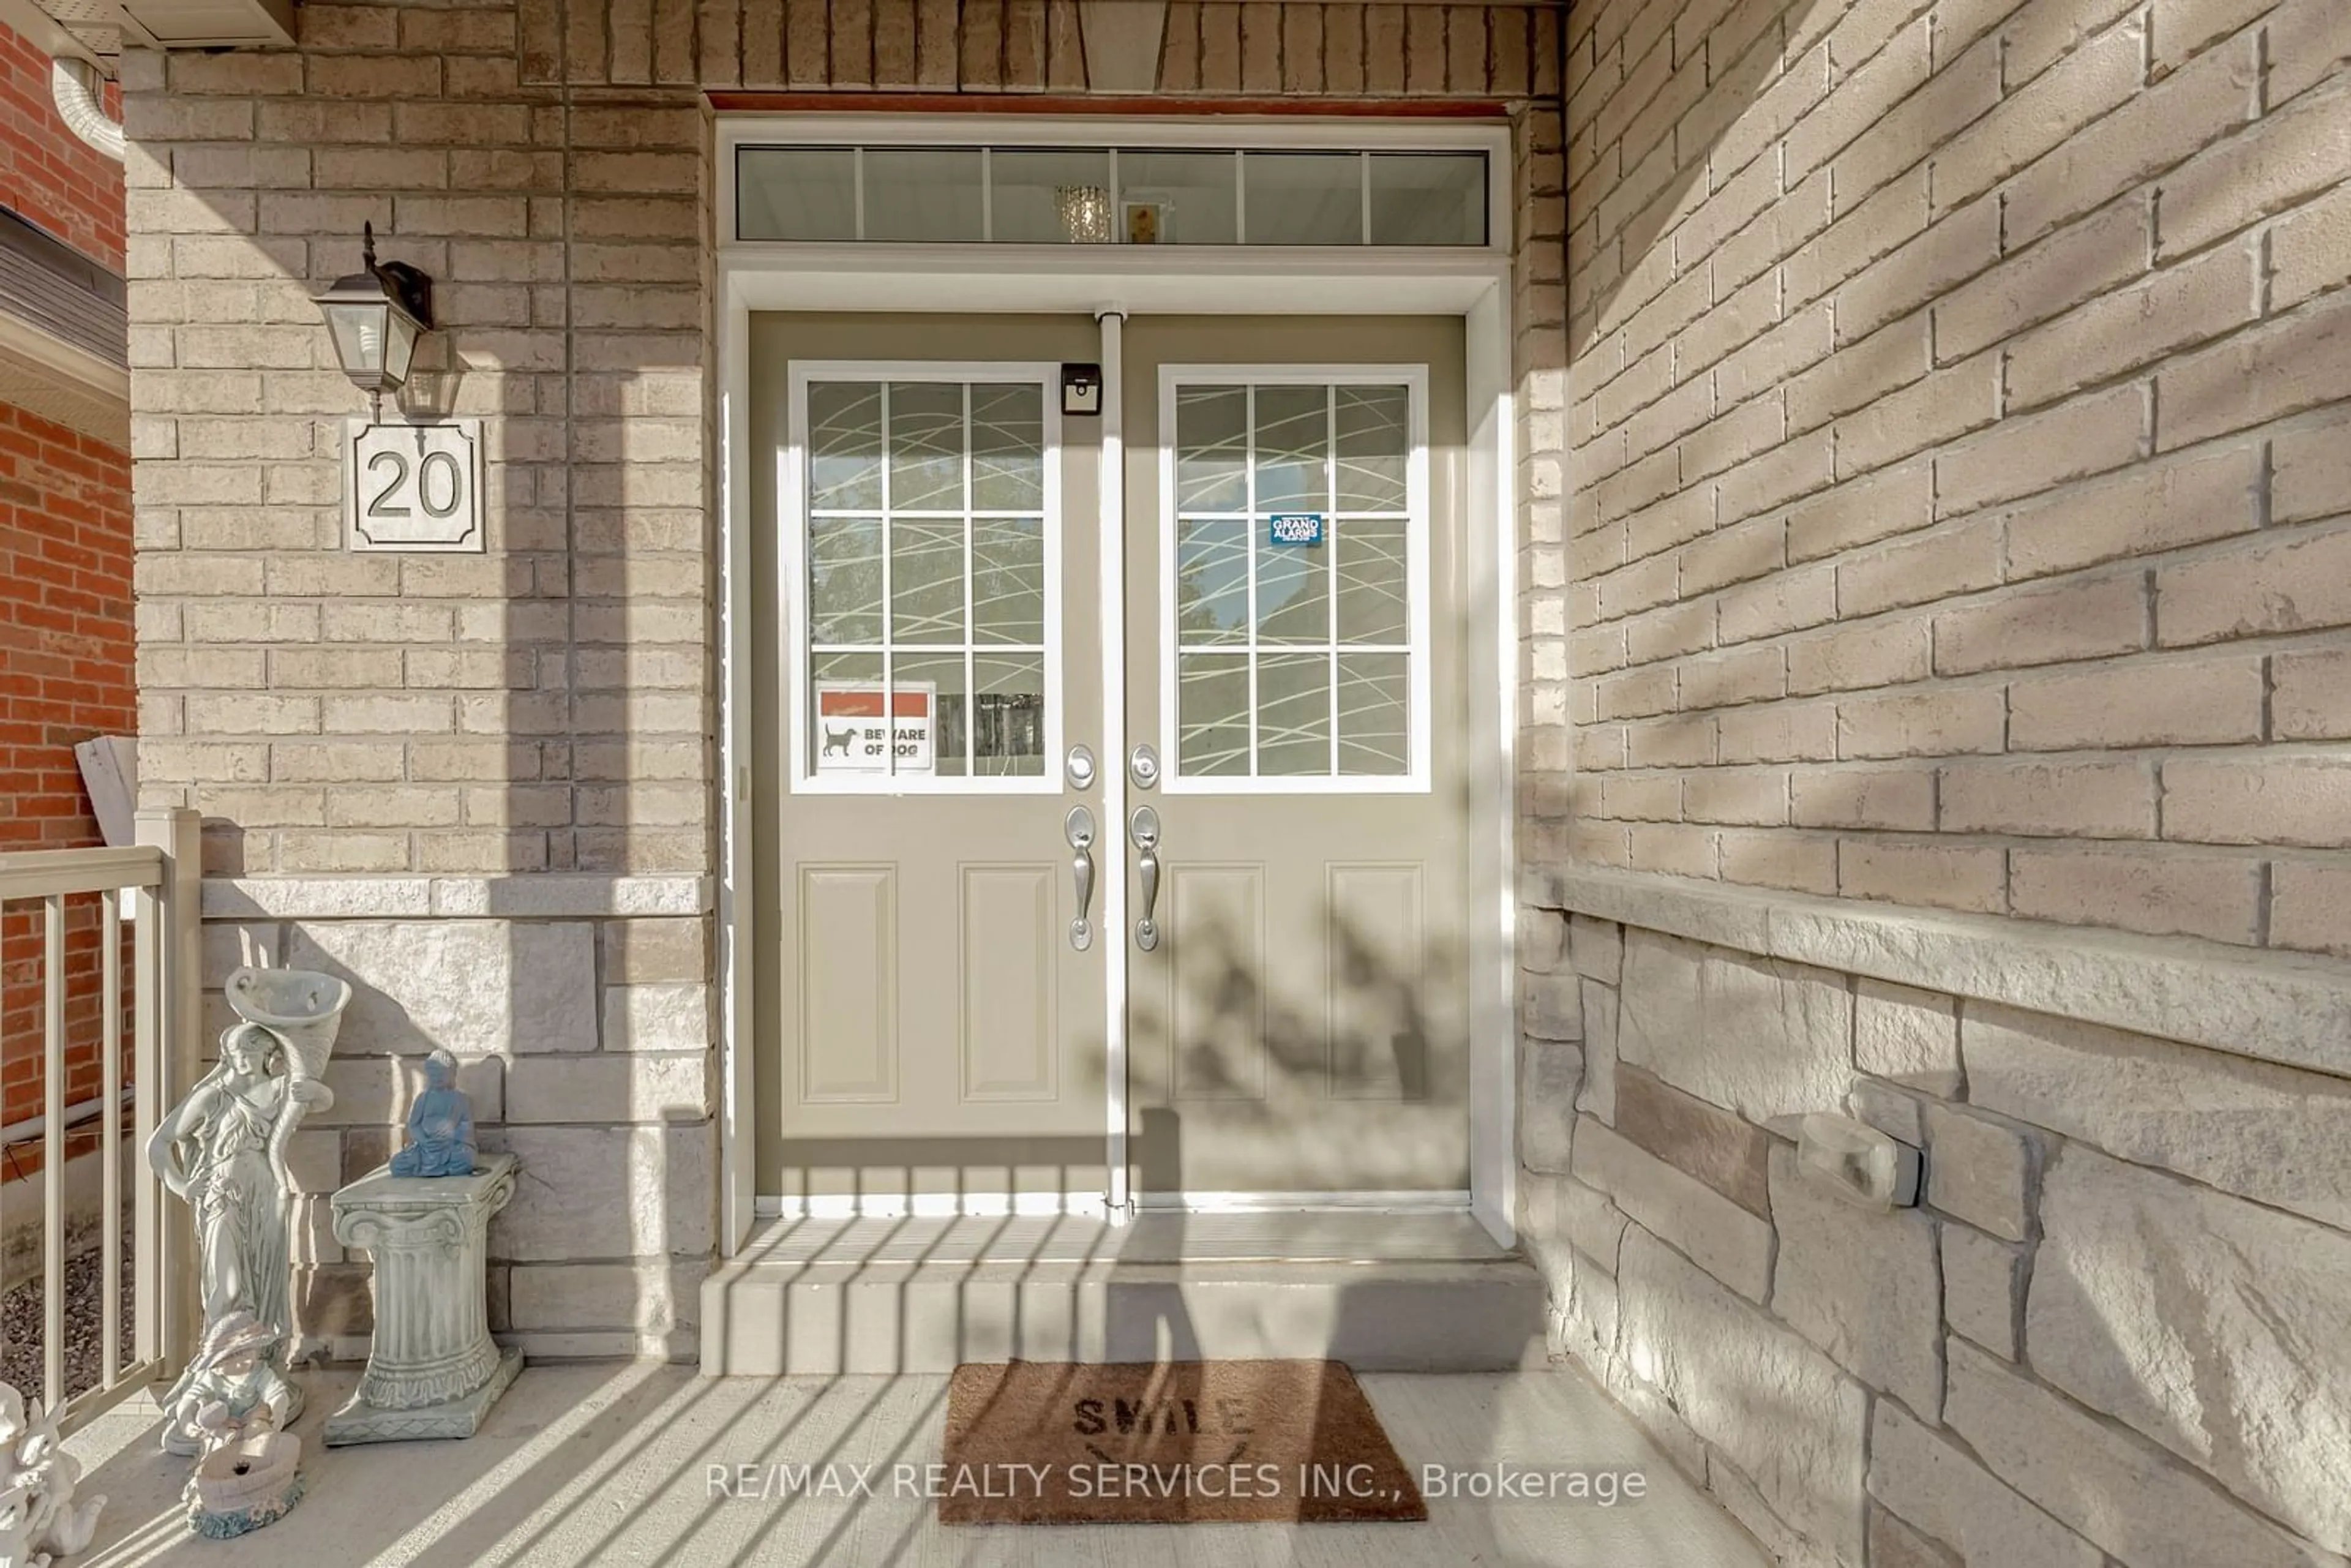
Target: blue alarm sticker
<point x="1295" y="528"/>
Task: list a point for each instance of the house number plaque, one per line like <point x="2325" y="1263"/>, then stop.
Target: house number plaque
<point x="409" y="486"/>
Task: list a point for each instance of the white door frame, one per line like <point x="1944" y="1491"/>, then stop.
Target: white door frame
<point x="1471" y="283"/>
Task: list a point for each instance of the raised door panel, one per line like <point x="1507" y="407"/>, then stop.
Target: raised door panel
<point x="1216" y="939"/>
<point x="1376" y="948"/>
<point x="848" y="956"/>
<point x="1010" y="945"/>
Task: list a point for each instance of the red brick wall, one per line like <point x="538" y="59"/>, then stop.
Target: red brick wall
<point x="66" y="637"/>
<point x="47" y="174"/>
<point x="66" y="660"/>
<point x="65" y="642"/>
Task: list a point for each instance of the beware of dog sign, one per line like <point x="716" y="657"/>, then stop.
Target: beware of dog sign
<point x="852" y="736"/>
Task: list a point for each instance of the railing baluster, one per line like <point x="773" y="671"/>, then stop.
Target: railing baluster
<point x="110" y="1140"/>
<point x="160" y="877"/>
<point x="53" y="1155"/>
<point x="146" y="1071"/>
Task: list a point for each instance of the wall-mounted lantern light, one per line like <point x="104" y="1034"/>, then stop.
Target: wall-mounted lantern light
<point x="373" y="315"/>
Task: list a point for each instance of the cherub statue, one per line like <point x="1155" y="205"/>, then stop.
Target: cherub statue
<point x="230" y="1391"/>
<point x="215" y="1149"/>
<point x="247" y="1471"/>
<point x="440" y="1125"/>
<point x="38" y="1515"/>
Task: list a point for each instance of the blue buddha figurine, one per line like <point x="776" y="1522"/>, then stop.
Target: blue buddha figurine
<point x="440" y="1125"/>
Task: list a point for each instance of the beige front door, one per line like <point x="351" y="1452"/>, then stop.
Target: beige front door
<point x="932" y="653"/>
<point x="1294" y="654"/>
<point x="928" y="1025"/>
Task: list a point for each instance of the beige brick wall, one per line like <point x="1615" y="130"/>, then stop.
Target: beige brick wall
<point x="1958" y="411"/>
<point x="417" y="768"/>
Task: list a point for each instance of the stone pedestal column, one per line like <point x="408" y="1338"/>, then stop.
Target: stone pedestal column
<point x="432" y="1371"/>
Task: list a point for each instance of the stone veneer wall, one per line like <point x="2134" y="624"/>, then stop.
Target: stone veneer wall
<point x="2116" y="1328"/>
<point x="484" y="787"/>
<point x="1958" y="518"/>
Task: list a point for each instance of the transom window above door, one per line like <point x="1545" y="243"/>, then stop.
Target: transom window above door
<point x="923" y="578"/>
<point x="910" y="193"/>
<point x="1294" y="571"/>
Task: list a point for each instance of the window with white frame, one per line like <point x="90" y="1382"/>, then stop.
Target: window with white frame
<point x="1294" y="559"/>
<point x="1111" y="195"/>
<point x="925" y="567"/>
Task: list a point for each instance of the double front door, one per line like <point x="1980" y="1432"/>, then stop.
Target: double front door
<point x="1251" y="719"/>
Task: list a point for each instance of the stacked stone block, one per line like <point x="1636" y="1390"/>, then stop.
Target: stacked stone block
<point x="2114" y="1329"/>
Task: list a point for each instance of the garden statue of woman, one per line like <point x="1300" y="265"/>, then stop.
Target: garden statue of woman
<point x="214" y="1150"/>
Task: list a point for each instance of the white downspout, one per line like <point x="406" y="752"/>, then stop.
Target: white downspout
<point x="1118" y="1201"/>
<point x="74" y="85"/>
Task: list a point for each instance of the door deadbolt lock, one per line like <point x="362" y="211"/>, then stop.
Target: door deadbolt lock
<point x="1080" y="767"/>
<point x="1143" y="767"/>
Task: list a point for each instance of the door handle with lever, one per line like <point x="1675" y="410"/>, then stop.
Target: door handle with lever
<point x="1078" y="827"/>
<point x="1144" y="828"/>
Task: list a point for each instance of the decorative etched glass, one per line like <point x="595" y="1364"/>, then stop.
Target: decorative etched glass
<point x="1293" y="639"/>
<point x="928" y="554"/>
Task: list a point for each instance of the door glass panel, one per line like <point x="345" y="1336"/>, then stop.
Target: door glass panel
<point x="925" y="581"/>
<point x="845" y="580"/>
<point x="929" y="618"/>
<point x="1008" y="716"/>
<point x="1008" y="449"/>
<point x="1212" y="707"/>
<point x="1212" y="447"/>
<point x="926" y="446"/>
<point x="1374" y="700"/>
<point x="1372" y="433"/>
<point x="1293" y="715"/>
<point x="939" y="679"/>
<point x="1294" y="592"/>
<point x="1294" y="447"/>
<point x="845" y="714"/>
<point x="1212" y="565"/>
<point x="845" y="446"/>
<point x="1373" y="606"/>
<point x="1293" y="630"/>
<point x="1008" y="580"/>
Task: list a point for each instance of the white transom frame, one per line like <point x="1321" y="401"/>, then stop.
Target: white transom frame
<point x="1416" y="778"/>
<point x="792" y="558"/>
<point x="1221" y="133"/>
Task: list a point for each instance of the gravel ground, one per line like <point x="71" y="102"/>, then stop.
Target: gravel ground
<point x="22" y="1310"/>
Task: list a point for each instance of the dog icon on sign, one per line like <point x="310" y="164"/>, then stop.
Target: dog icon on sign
<point x="837" y="741"/>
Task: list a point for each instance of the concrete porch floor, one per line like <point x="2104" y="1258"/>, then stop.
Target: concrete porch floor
<point x="608" y="1463"/>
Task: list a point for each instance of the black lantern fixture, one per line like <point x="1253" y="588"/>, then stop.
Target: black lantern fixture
<point x="373" y="315"/>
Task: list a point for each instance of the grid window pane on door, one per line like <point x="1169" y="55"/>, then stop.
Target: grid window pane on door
<point x="1293" y="660"/>
<point x="927" y="555"/>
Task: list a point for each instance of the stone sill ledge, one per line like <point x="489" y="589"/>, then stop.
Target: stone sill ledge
<point x="547" y="895"/>
<point x="2276" y="1006"/>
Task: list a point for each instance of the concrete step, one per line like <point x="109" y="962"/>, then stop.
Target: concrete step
<point x="763" y="1318"/>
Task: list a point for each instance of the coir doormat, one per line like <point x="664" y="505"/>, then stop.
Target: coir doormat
<point x="1176" y="1443"/>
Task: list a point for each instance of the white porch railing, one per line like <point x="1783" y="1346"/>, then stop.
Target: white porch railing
<point x="159" y="874"/>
